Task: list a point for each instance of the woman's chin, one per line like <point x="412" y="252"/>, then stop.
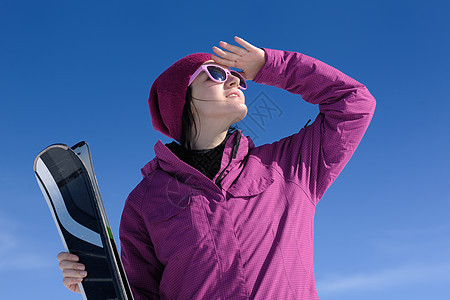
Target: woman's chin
<point x="242" y="114"/>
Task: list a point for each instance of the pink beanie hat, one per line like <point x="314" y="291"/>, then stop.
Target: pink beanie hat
<point x="168" y="94"/>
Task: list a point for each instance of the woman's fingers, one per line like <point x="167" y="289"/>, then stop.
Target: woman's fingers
<point x="73" y="271"/>
<point x="69" y="265"/>
<point x="238" y="51"/>
<point x="68" y="281"/>
<point x="72" y="284"/>
<point x="67" y="256"/>
<point x="69" y="261"/>
<point x="223" y="61"/>
<point x="233" y="49"/>
<point x="244" y="44"/>
<point x="249" y="59"/>
<point x="230" y="56"/>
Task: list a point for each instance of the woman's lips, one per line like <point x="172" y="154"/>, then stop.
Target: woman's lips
<point x="234" y="94"/>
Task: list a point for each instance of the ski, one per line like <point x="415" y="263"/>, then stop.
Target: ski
<point x="67" y="180"/>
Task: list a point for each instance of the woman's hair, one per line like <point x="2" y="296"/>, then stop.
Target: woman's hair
<point x="189" y="129"/>
<point x="187" y="122"/>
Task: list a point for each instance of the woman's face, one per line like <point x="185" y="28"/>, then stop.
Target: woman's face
<point x="221" y="102"/>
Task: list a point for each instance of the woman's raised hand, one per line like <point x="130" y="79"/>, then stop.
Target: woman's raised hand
<point x="73" y="272"/>
<point x="249" y="59"/>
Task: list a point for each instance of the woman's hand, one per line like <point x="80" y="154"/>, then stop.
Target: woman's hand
<point x="73" y="272"/>
<point x="249" y="59"/>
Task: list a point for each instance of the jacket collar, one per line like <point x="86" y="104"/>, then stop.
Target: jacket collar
<point x="236" y="149"/>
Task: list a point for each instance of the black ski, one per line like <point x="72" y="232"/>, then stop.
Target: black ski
<point x="67" y="180"/>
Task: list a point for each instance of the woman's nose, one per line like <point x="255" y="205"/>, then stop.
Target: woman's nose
<point x="232" y="81"/>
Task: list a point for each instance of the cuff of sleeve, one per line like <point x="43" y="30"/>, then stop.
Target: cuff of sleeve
<point x="267" y="74"/>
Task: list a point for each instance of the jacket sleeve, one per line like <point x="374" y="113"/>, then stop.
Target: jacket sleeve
<point x="143" y="269"/>
<point x="316" y="155"/>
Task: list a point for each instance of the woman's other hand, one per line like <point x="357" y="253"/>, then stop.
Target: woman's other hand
<point x="73" y="272"/>
<point x="249" y="59"/>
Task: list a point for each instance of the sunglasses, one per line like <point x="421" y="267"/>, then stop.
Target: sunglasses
<point x="218" y="74"/>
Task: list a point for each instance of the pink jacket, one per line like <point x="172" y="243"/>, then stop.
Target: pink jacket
<point x="183" y="237"/>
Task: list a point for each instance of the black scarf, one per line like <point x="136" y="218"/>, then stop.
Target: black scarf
<point x="206" y="161"/>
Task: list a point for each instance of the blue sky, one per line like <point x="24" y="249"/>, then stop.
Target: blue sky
<point x="79" y="70"/>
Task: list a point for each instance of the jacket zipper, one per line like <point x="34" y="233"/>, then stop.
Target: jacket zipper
<point x="233" y="156"/>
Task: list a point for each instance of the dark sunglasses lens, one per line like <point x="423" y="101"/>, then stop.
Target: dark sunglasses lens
<point x="217" y="73"/>
<point x="242" y="82"/>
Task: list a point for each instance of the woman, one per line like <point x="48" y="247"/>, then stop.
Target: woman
<point x="216" y="217"/>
